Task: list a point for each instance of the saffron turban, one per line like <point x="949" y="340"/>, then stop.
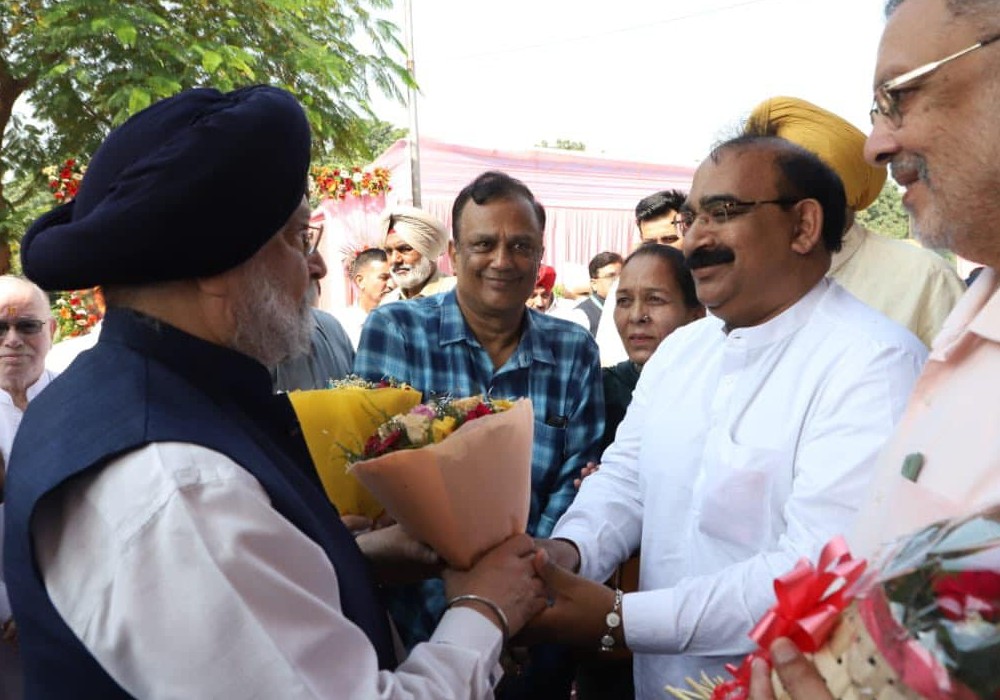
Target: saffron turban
<point x="167" y="196"/>
<point x="421" y="231"/>
<point x="835" y="140"/>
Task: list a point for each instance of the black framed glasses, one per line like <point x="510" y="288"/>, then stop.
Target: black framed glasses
<point x="886" y="102"/>
<point x="720" y="212"/>
<point x="23" y="326"/>
<point x="311" y="237"/>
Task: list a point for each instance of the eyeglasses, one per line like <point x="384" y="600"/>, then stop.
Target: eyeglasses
<point x="311" y="237"/>
<point x="23" y="326"/>
<point x="719" y="212"/>
<point x="886" y="102"/>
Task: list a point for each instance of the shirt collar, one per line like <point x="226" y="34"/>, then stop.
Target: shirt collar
<point x="784" y="324"/>
<point x="453" y="329"/>
<point x="33" y="390"/>
<point x="978" y="312"/>
<point x="216" y="370"/>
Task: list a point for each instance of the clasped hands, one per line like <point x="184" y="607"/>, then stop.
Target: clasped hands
<point x="531" y="581"/>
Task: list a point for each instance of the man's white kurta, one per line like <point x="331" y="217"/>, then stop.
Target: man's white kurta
<point x="739" y="454"/>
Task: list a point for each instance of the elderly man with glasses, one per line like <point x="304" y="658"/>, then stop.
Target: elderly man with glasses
<point x="27" y="327"/>
<point x="166" y="533"/>
<point x="937" y="92"/>
<point x="331" y="352"/>
<point x="759" y="451"/>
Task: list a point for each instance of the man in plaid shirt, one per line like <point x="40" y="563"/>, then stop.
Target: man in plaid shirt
<point x="480" y="338"/>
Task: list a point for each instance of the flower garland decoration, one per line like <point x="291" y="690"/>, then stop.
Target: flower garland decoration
<point x="338" y="183"/>
<point x="76" y="312"/>
<point x="64" y="180"/>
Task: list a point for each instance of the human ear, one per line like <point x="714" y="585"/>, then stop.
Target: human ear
<point x="808" y="232"/>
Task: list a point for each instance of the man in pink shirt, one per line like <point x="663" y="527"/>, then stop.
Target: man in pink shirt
<point x="937" y="91"/>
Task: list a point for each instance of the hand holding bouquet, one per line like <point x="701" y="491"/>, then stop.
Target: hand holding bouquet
<point x="336" y="422"/>
<point x="455" y="473"/>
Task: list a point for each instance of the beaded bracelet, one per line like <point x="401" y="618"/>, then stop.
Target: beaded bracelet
<point x="613" y="620"/>
<point x="473" y="598"/>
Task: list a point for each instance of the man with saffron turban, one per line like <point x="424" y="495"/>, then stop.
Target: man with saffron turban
<point x="911" y="285"/>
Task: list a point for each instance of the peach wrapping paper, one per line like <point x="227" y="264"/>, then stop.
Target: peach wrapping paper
<point x="333" y="419"/>
<point x="465" y="494"/>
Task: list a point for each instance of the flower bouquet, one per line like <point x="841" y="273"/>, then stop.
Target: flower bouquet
<point x="455" y="473"/>
<point x="336" y="422"/>
<point x="924" y="621"/>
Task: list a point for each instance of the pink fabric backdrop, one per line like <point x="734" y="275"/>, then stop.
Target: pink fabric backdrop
<point x="589" y="201"/>
<point x="349" y="225"/>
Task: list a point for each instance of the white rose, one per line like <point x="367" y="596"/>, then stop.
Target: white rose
<point x="416" y="427"/>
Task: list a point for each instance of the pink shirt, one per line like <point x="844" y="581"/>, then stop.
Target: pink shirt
<point x="951" y="425"/>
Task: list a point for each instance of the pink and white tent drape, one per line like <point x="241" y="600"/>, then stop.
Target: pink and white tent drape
<point x="589" y="200"/>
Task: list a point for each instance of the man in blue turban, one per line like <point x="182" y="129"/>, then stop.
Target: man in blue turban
<point x="167" y="535"/>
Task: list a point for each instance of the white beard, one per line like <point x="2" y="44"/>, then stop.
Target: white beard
<point x="270" y="327"/>
<point x="416" y="276"/>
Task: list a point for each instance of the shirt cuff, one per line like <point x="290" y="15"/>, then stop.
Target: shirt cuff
<point x="464" y="627"/>
<point x="650" y="621"/>
<point x="579" y="534"/>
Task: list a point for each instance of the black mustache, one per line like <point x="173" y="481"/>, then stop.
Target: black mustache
<point x="706" y="257"/>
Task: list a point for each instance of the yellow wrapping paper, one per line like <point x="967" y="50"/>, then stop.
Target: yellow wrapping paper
<point x="334" y="419"/>
<point x="466" y="494"/>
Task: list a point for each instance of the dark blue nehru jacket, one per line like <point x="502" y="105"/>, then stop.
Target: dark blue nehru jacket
<point x="148" y="382"/>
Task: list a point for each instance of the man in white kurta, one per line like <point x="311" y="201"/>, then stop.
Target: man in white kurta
<point x="751" y="435"/>
<point x="26" y="340"/>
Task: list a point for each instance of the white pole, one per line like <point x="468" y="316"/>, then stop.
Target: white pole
<point x="411" y="94"/>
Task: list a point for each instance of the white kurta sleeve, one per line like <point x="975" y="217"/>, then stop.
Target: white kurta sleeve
<point x="197" y="587"/>
<point x="853" y="414"/>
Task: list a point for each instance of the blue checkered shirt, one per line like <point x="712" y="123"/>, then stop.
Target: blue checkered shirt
<point x="427" y="344"/>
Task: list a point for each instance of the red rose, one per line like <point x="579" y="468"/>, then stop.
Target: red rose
<point x="390" y="440"/>
<point x="478" y="412"/>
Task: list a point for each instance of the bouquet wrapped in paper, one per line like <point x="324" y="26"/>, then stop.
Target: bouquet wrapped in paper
<point x="922" y="622"/>
<point x="336" y="422"/>
<point x="455" y="473"/>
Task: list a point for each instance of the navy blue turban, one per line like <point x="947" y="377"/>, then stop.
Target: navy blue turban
<point x="190" y="187"/>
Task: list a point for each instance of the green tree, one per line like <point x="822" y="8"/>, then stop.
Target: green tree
<point x="83" y="66"/>
<point x="886" y="214"/>
<point x="377" y="137"/>
<point x="564" y="145"/>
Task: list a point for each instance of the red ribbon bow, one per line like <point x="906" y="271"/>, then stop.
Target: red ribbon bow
<point x="810" y="599"/>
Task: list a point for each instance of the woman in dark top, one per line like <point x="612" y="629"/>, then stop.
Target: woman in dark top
<point x="655" y="297"/>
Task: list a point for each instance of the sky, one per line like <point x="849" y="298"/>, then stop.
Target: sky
<point x="647" y="80"/>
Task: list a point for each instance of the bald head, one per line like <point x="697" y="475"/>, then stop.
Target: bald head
<point x="28" y="327"/>
<point x="11" y="285"/>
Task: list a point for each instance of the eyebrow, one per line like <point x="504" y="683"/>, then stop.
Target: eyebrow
<point x="716" y="198"/>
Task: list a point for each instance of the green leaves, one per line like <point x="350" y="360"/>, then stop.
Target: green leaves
<point x="886" y="214"/>
<point x="81" y="67"/>
<point x="138" y="100"/>
<point x="210" y="60"/>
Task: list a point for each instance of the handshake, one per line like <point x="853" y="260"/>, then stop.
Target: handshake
<point x="525" y="586"/>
